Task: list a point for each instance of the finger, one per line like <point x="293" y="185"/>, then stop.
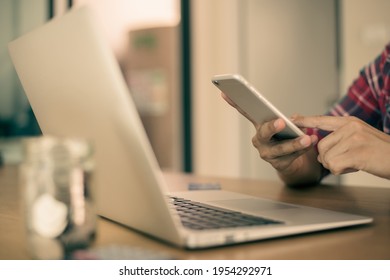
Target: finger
<point x="339" y="169"/>
<point x="288" y="147"/>
<point x="328" y="143"/>
<point x="329" y="123"/>
<point x="341" y="163"/>
<point x="338" y="153"/>
<point x="267" y="130"/>
<point x="336" y="143"/>
<point x="283" y="162"/>
<point x="326" y="153"/>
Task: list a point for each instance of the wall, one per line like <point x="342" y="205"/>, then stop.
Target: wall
<point x="215" y="50"/>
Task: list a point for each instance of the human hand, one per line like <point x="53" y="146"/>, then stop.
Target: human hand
<point x="279" y="153"/>
<point x="294" y="159"/>
<point x="352" y="145"/>
<point x="284" y="155"/>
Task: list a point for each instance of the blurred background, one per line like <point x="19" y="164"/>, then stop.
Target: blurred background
<point x="301" y="54"/>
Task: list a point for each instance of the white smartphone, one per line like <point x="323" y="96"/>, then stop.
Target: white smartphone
<point x="253" y="103"/>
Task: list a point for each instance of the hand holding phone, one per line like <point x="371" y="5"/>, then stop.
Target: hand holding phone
<point x="252" y="104"/>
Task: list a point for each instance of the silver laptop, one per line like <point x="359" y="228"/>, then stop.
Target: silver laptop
<point x="76" y="89"/>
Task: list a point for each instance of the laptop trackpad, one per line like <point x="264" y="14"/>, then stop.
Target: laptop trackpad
<point x="251" y="205"/>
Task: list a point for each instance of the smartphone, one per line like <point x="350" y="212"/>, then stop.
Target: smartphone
<point x="253" y="103"/>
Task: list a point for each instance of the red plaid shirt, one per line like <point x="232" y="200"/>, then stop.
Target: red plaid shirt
<point x="368" y="98"/>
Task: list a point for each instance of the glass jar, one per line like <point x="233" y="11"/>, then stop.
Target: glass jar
<point x="59" y="211"/>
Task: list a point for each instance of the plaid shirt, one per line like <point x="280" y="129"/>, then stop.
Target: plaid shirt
<point x="368" y="98"/>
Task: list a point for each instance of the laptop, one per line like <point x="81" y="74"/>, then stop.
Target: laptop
<point x="76" y="89"/>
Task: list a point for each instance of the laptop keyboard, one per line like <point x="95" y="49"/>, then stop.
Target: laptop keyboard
<point x="198" y="216"/>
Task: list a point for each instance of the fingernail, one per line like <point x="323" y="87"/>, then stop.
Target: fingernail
<point x="277" y="123"/>
<point x="305" y="141"/>
<point x="314" y="139"/>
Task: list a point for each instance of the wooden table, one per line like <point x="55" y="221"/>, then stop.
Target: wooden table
<point x="361" y="242"/>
